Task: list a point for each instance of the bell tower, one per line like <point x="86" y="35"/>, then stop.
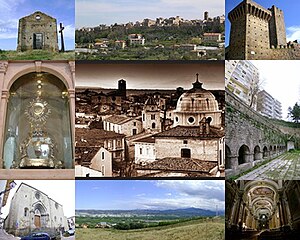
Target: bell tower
<point x="151" y="115"/>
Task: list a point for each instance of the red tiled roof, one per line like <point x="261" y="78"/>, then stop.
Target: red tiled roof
<point x="180" y="164"/>
<point x="94" y="137"/>
<point x="194" y="131"/>
<point x="117" y="119"/>
<point x="150" y="139"/>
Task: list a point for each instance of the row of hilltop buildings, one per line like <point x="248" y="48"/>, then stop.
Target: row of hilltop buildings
<point x="163" y="22"/>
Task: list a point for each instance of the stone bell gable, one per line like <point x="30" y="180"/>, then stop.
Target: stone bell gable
<point x="37" y="31"/>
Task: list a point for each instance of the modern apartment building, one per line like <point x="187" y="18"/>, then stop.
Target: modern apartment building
<point x="268" y="106"/>
<point x="242" y="79"/>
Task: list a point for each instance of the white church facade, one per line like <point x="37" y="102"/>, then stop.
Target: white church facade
<point x="32" y="210"/>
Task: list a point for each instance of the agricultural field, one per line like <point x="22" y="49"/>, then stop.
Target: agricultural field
<point x="203" y="228"/>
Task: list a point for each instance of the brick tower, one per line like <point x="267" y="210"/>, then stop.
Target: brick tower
<point x="249" y="33"/>
<point x="277" y="28"/>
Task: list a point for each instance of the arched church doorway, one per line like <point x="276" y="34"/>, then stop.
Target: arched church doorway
<point x="37" y="218"/>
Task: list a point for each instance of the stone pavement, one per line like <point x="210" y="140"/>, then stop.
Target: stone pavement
<point x="284" y="167"/>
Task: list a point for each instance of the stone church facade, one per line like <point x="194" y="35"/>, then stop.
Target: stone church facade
<point x="37" y="31"/>
<point x="259" y="33"/>
<point x="33" y="210"/>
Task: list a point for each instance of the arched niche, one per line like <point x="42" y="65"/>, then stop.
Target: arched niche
<point x="38" y="131"/>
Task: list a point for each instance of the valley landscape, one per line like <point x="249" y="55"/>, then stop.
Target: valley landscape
<point x="150" y="210"/>
<point x="188" y="223"/>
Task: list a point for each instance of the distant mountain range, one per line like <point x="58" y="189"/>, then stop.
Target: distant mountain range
<point x="183" y="212"/>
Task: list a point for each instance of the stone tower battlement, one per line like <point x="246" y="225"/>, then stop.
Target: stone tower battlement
<point x="258" y="33"/>
<point x="277" y="28"/>
<point x="249" y="7"/>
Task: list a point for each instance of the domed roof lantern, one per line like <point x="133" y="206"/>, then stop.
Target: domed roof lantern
<point x="197" y="84"/>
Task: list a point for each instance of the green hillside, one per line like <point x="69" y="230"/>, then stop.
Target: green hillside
<point x="211" y="229"/>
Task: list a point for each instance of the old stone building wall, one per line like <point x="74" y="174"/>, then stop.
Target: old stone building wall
<point x="132" y="127"/>
<point x="249" y="34"/>
<point x="238" y="38"/>
<point x="144" y="152"/>
<point x="206" y="150"/>
<point x="32" y="209"/>
<point x="259" y="34"/>
<point x="277" y="28"/>
<point x="250" y="138"/>
<point x="37" y="31"/>
<point x="102" y="162"/>
<point x="151" y="116"/>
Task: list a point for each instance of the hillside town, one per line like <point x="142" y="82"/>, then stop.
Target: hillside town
<point x="159" y="39"/>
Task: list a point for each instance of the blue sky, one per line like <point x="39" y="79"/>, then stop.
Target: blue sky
<point x="90" y="13"/>
<point x="149" y="194"/>
<point x="290" y="11"/>
<point x="12" y="10"/>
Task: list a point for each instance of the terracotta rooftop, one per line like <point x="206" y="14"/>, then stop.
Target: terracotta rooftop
<point x="94" y="137"/>
<point x="193" y="131"/>
<point x="84" y="155"/>
<point x="150" y="139"/>
<point x="179" y="164"/>
<point x="118" y="119"/>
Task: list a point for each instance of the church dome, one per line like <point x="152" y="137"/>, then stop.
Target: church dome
<point x="197" y="100"/>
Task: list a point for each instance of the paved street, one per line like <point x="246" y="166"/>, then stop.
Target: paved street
<point x="285" y="167"/>
<point x="5" y="236"/>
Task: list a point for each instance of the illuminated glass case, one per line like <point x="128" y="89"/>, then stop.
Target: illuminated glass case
<point x="38" y="126"/>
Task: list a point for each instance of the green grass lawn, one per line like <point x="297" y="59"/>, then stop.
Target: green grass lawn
<point x="36" y="55"/>
<point x="192" y="230"/>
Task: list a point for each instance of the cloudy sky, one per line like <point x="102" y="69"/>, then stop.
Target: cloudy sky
<point x="62" y="191"/>
<point x="290" y="11"/>
<point x="150" y="75"/>
<point x="280" y="78"/>
<point x="90" y="13"/>
<point x="150" y="194"/>
<point x="12" y="10"/>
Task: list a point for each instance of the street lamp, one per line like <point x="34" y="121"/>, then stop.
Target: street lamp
<point x="11" y="186"/>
